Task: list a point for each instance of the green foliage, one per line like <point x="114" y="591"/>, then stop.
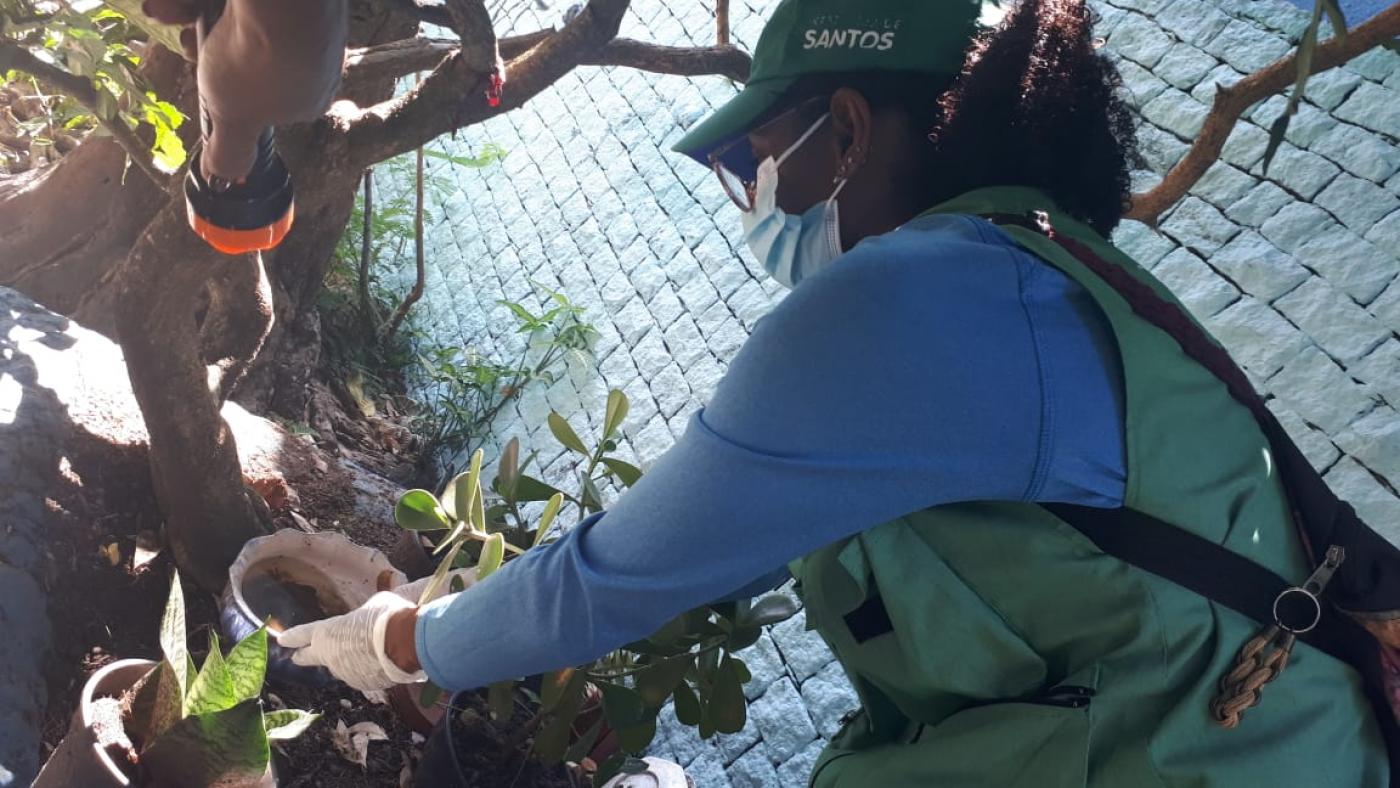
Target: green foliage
<point x="693" y="658"/>
<point x="207" y="726"/>
<point x="102" y="43"/>
<point x="465" y="389"/>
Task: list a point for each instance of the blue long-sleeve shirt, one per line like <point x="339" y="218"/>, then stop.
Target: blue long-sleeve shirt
<point x="935" y="364"/>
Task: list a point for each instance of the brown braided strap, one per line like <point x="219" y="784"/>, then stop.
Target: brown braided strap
<point x="1256" y="665"/>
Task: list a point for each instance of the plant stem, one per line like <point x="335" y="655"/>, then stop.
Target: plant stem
<point x="367" y="315"/>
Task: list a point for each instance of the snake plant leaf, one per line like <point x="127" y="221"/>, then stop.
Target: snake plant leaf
<point x="285" y="724"/>
<point x="213" y="689"/>
<point x="247" y="665"/>
<point x="172" y="635"/>
<point x="226" y="747"/>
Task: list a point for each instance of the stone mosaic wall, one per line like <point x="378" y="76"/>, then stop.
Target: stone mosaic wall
<point x="1296" y="272"/>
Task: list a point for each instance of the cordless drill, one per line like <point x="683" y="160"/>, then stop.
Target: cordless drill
<point x="250" y="215"/>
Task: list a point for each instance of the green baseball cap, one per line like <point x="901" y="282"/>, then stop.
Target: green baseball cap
<point x="813" y="36"/>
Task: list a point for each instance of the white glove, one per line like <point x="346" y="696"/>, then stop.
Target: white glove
<point x="352" y="646"/>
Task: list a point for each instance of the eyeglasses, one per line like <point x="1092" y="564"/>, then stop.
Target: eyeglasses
<point x="739" y="189"/>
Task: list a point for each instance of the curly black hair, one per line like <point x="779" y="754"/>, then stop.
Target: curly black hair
<point x="1035" y="105"/>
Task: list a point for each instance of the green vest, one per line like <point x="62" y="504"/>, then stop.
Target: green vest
<point x="998" y="609"/>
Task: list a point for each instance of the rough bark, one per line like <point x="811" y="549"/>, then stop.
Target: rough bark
<point x="209" y="513"/>
<point x="1231" y="102"/>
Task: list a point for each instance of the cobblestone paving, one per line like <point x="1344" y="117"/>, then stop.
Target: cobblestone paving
<point x="1295" y="272"/>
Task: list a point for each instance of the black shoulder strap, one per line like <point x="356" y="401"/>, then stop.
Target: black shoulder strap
<point x="1211" y="570"/>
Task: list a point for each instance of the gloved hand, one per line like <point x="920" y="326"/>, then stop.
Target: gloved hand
<point x="352" y="646"/>
<point x="264" y="63"/>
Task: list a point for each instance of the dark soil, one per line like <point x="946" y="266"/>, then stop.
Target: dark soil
<point x="486" y="755"/>
<point x="311" y="759"/>
<point x="102" y="609"/>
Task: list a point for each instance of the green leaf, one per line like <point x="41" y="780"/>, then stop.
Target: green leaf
<point x="615" y="413"/>
<point x="172" y="634"/>
<point x="687" y="705"/>
<point x="636" y="738"/>
<point x="553" y="687"/>
<point x="565" y="434"/>
<point x="430" y="694"/>
<point x="771" y="609"/>
<point x="745" y="675"/>
<point x="226" y="747"/>
<point x="610" y="768"/>
<point x="584" y="745"/>
<point x="553" y="739"/>
<point x="742" y="637"/>
<point x="213" y="689"/>
<point x="493" y="553"/>
<point x="727" y="709"/>
<point x="490" y="154"/>
<point x="440" y="574"/>
<point x="1338" y="19"/>
<point x="285" y="724"/>
<point x="247" y="665"/>
<point x="418" y="510"/>
<point x="592" y="499"/>
<point x="625" y="472"/>
<point x="622" y="706"/>
<point x="532" y="489"/>
<point x="508" y="470"/>
<point x="167" y="36"/>
<point x="551" y="509"/>
<point x="157" y="703"/>
<point x="467" y="496"/>
<point x="501" y="698"/>
<point x="656" y="682"/>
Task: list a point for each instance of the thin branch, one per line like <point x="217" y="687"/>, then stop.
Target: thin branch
<point x="1232" y="101"/>
<point x="425" y="12"/>
<point x="721" y="22"/>
<point x="13" y="56"/>
<point x="725" y="60"/>
<point x="419" y="258"/>
<point x="453" y="96"/>
<point x="367" y="314"/>
<point x="401" y="58"/>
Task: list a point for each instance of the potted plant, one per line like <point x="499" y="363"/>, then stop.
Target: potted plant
<point x="561" y="716"/>
<point x="170" y="723"/>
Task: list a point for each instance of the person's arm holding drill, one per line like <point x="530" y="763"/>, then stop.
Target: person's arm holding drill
<point x="264" y="63"/>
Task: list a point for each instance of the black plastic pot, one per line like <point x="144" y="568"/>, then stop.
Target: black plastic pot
<point x="439" y="765"/>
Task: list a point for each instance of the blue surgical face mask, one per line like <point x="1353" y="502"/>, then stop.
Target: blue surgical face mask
<point x="791" y="248"/>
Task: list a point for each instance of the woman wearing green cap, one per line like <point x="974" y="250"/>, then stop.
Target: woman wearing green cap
<point x="891" y="429"/>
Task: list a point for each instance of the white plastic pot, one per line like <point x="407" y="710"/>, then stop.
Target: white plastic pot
<point x="660" y="773"/>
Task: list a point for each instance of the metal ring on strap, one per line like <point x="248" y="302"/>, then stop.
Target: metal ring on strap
<point x="1316" y="611"/>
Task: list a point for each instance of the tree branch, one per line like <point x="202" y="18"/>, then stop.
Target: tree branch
<point x="419" y="259"/>
<point x="1231" y="102"/>
<point x="453" y="96"/>
<point x="721" y="22"/>
<point x="425" y="12"/>
<point x="725" y="60"/>
<point x="13" y="56"/>
<point x="401" y="58"/>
